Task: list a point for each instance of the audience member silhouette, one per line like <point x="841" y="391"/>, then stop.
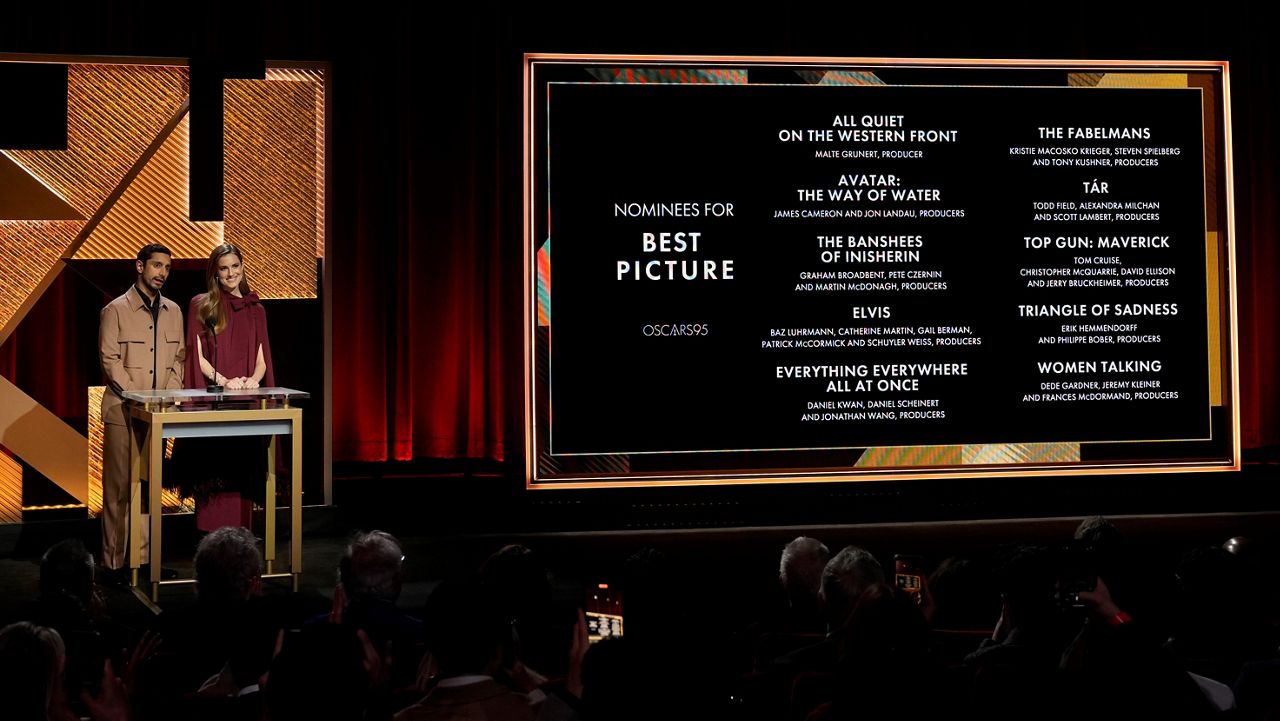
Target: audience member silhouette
<point x="370" y="579"/>
<point x="1015" y="671"/>
<point x="318" y="674"/>
<point x="521" y="586"/>
<point x="962" y="595"/>
<point x="886" y="669"/>
<point x="32" y="658"/>
<point x="1066" y="642"/>
<point x="800" y="575"/>
<point x="844" y="578"/>
<point x="223" y="643"/>
<point x="1218" y="624"/>
<point x="467" y="635"/>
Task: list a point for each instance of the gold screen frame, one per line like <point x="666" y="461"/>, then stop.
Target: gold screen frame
<point x="1005" y="460"/>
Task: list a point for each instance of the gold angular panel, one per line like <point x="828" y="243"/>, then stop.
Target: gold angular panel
<point x="1213" y="297"/>
<point x="113" y="114"/>
<point x="26" y="198"/>
<point x="984" y="454"/>
<point x="43" y="440"/>
<point x="1143" y="80"/>
<point x="269" y="145"/>
<point x="1084" y="80"/>
<point x="1127" y="80"/>
<point x="10" y="489"/>
<point x="1018" y="453"/>
<point x="908" y="456"/>
<point x="316" y="79"/>
<point x="154" y="208"/>
<point x="95" y="449"/>
<point x="35" y="248"/>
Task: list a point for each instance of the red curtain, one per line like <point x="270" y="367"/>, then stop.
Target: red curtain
<point x="420" y="265"/>
<point x="45" y="355"/>
<point x="1254" y="87"/>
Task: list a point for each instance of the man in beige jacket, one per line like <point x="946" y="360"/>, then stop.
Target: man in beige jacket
<point x="141" y="344"/>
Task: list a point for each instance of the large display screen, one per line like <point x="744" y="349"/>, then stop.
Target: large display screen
<point x="745" y="270"/>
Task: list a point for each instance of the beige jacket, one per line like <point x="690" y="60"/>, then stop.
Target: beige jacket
<point x="132" y="352"/>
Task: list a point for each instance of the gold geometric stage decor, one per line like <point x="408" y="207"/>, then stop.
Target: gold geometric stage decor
<point x="31" y="432"/>
<point x="37" y="247"/>
<point x="153" y="209"/>
<point x="25" y="197"/>
<point x="10" y="489"/>
<point x="114" y="113"/>
<point x="970" y="455"/>
<point x="273" y="191"/>
<point x="123" y="181"/>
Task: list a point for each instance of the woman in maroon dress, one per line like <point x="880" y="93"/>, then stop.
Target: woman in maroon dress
<point x="226" y="325"/>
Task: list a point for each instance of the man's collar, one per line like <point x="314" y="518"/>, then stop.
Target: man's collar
<point x="138" y="301"/>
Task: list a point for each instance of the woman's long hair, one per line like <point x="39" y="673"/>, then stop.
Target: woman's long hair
<point x="210" y="309"/>
<point x="30" y="662"/>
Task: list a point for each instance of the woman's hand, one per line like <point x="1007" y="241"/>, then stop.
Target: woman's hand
<point x="235" y="384"/>
<point x="250" y="383"/>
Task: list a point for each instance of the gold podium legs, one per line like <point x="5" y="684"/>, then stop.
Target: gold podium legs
<point x="149" y="443"/>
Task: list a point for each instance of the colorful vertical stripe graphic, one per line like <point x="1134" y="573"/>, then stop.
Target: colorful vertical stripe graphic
<point x="671" y="76"/>
<point x="544" y="284"/>
<point x="839" y="77"/>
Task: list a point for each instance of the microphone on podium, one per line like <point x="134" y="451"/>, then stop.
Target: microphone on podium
<point x="213" y="387"/>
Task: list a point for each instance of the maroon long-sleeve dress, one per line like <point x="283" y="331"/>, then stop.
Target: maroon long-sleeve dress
<point x="223" y="474"/>
<point x="237" y="343"/>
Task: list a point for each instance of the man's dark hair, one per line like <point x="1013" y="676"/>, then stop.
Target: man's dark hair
<point x="1027" y="577"/>
<point x="66" y="569"/>
<point x="964" y="593"/>
<point x="227" y="562"/>
<point x="318" y="674"/>
<point x="371" y="566"/>
<point x="145" y="254"/>
<point x="465" y="627"/>
<point x="517" y="573"/>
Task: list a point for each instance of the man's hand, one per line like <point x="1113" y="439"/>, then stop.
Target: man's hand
<point x="111" y="704"/>
<point x="1099" y="602"/>
<point x="145" y="649"/>
<point x="266" y="675"/>
<point x="339" y="604"/>
<point x="376" y="666"/>
<point x="577" y="651"/>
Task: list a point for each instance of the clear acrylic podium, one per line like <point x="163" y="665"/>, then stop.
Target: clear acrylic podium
<point x="158" y="415"/>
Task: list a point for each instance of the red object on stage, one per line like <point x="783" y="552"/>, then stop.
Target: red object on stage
<point x="224" y="509"/>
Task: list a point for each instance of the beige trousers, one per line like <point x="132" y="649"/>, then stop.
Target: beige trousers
<point x="115" y="499"/>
